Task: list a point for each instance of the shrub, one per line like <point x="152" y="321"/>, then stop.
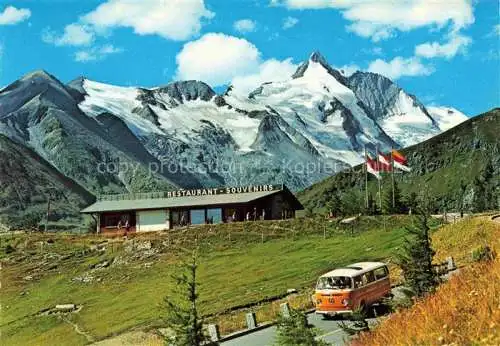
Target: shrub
<point x="463" y="311"/>
<point x="360" y="324"/>
<point x="483" y="253"/>
<point x="294" y="330"/>
<point x="91" y="225"/>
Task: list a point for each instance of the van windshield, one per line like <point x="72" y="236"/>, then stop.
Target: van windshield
<point x="334" y="282"/>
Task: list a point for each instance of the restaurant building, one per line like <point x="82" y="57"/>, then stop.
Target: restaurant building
<point x="157" y="211"/>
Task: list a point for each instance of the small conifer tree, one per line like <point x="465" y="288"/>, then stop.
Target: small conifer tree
<point x="182" y="316"/>
<point x="293" y="330"/>
<point x="416" y="259"/>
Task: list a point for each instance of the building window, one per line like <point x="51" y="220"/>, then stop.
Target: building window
<point x="111" y="220"/>
<point x="117" y="220"/>
<point x="197" y="216"/>
<point x="233" y="215"/>
<point x="180" y="218"/>
<point x="214" y="215"/>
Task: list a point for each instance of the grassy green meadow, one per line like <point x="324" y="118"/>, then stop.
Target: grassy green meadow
<point x="239" y="264"/>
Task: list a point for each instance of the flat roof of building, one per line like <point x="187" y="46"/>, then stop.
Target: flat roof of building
<point x="176" y="199"/>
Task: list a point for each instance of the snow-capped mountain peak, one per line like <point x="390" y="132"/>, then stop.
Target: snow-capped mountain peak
<point x="446" y="117"/>
<point x="320" y="109"/>
<point x="317" y="59"/>
<point x="318" y="119"/>
<point x="402" y="116"/>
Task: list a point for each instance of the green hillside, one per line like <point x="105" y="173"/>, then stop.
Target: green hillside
<point x="459" y="168"/>
<point x="27" y="181"/>
<point x="120" y="284"/>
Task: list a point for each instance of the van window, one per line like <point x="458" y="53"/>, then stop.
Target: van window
<point x="380" y="273"/>
<point x="334" y="282"/>
<point x="370" y="277"/>
<point x="358" y="282"/>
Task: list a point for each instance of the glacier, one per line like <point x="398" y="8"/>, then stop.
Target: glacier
<point x="297" y="131"/>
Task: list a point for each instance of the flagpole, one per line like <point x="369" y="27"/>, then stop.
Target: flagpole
<point x="392" y="175"/>
<point x="366" y="181"/>
<point x="379" y="188"/>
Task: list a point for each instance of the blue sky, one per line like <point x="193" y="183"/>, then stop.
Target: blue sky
<point x="445" y="52"/>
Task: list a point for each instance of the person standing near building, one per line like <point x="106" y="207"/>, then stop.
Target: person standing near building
<point x="127" y="227"/>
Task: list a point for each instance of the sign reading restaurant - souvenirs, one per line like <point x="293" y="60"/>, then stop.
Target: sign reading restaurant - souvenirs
<point x="222" y="190"/>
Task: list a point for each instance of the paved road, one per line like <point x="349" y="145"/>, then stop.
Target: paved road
<point x="330" y="331"/>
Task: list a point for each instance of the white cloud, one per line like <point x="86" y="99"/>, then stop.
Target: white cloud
<point x="456" y="44"/>
<point x="12" y="15"/>
<point x="379" y="19"/>
<point x="289" y="22"/>
<point x="495" y="31"/>
<point x="217" y="58"/>
<point x="173" y="19"/>
<point x="85" y="56"/>
<point x="373" y="51"/>
<point x="271" y="70"/>
<point x="492" y="55"/>
<point x="96" y="53"/>
<point x="348" y="70"/>
<point x="245" y="26"/>
<point x="377" y="51"/>
<point x="74" y="35"/>
<point x="400" y="67"/>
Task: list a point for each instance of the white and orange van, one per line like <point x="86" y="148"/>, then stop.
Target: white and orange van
<point x="356" y="286"/>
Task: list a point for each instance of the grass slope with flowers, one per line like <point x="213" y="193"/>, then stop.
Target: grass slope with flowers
<point x="119" y="284"/>
<point x="464" y="310"/>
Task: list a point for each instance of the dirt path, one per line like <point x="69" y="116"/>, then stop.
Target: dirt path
<point x="77" y="329"/>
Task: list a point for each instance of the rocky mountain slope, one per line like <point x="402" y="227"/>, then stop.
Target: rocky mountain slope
<point x="101" y="153"/>
<point x="27" y="182"/>
<point x="113" y="139"/>
<point x="318" y="119"/>
<point x="460" y="168"/>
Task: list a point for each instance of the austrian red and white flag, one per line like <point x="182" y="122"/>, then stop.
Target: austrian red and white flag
<point x="372" y="167"/>
<point x="384" y="163"/>
<point x="400" y="161"/>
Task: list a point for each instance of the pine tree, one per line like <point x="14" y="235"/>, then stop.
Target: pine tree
<point x="294" y="331"/>
<point x="416" y="259"/>
<point x="372" y="205"/>
<point x="182" y="315"/>
<point x="461" y="197"/>
<point x="352" y="202"/>
<point x="487" y="175"/>
<point x="334" y="205"/>
<point x="410" y="201"/>
<point x="484" y="189"/>
<point x="387" y="207"/>
<point x="479" y="201"/>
